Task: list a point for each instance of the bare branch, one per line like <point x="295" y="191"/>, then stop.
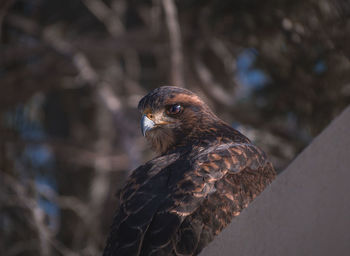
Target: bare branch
<point x="209" y="84"/>
<point x="51" y="35"/>
<point x="37" y="219"/>
<point x="175" y="41"/>
<point x="106" y="15"/>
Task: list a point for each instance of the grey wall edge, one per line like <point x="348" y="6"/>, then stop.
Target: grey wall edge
<point x="305" y="211"/>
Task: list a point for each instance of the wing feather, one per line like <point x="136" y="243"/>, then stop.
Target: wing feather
<point x="139" y="201"/>
<point x="168" y="205"/>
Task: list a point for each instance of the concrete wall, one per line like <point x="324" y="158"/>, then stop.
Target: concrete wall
<point x="306" y="211"/>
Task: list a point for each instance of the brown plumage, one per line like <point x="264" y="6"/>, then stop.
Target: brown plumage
<point x="206" y="173"/>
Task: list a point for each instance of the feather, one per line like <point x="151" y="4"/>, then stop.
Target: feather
<point x="206" y="175"/>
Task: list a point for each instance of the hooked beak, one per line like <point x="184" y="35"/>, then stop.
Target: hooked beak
<point x="146" y="124"/>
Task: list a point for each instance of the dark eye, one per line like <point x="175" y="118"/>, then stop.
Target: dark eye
<point x="174" y="109"/>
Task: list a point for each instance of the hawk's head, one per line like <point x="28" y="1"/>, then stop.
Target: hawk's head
<point x="171" y="116"/>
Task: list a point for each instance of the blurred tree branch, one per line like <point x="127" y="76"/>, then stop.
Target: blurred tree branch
<point x="175" y="41"/>
<point x="106" y="15"/>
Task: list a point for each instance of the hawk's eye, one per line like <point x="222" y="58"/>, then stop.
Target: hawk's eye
<point x="174" y="109"/>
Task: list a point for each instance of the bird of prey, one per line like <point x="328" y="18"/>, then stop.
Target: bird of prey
<point x="205" y="174"/>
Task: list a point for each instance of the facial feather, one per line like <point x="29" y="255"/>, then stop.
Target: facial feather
<point x="193" y="119"/>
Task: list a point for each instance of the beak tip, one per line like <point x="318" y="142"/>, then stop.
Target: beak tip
<point x="146" y="125"/>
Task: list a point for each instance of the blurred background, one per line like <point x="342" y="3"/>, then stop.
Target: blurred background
<point x="73" y="71"/>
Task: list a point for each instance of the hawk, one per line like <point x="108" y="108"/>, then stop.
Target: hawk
<point x="206" y="174"/>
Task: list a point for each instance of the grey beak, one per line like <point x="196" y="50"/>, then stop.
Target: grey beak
<point x="146" y="124"/>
